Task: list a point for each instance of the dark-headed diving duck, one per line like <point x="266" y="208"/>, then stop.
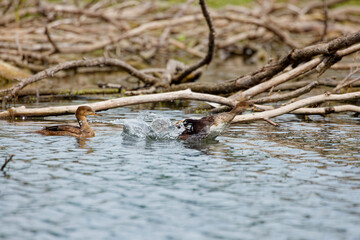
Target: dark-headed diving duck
<point x="81" y="131"/>
<point x="210" y="127"/>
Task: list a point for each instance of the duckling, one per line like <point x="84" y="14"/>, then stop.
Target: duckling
<point x="82" y="131"/>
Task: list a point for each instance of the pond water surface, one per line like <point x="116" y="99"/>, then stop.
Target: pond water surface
<point x="297" y="181"/>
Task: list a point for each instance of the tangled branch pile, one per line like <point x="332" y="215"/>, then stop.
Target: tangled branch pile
<point x="313" y="36"/>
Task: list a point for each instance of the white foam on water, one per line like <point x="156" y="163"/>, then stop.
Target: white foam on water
<point x="151" y="126"/>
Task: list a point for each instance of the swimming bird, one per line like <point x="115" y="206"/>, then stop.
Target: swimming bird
<point x="210" y="127"/>
<point x="82" y="131"/>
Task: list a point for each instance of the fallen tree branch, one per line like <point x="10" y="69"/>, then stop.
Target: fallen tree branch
<point x="298" y="104"/>
<point x="267" y="72"/>
<point x="67" y="92"/>
<point x="79" y="63"/>
<point x="321" y="82"/>
<point x="282" y="97"/>
<point x="318" y="110"/>
<point x="114" y="103"/>
<point x="327" y="110"/>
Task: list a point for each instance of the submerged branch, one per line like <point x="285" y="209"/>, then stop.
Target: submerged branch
<point x="7" y="160"/>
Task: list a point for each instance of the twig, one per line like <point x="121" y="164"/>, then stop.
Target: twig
<point x="326" y="18"/>
<point x="347" y="84"/>
<point x="18" y="45"/>
<point x="47" y="33"/>
<point x="267" y="23"/>
<point x="7" y="160"/>
<point x="271" y="122"/>
<point x="343" y="83"/>
<point x="211" y="46"/>
<point x="183" y="46"/>
<point x="167" y="30"/>
<point x="316" y="4"/>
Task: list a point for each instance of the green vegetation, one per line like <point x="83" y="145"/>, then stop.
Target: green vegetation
<point x="349" y="2"/>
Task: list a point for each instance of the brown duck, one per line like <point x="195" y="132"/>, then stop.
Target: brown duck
<point x="82" y="131"/>
<point x="210" y="127"/>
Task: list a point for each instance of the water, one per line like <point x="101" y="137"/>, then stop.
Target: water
<point x="256" y="181"/>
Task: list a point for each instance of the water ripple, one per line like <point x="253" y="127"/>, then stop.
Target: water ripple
<point x="135" y="180"/>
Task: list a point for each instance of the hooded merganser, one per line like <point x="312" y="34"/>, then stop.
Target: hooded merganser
<point x="83" y="131"/>
<point x="210" y="127"/>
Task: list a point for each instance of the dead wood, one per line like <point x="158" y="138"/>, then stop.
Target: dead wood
<point x="7" y="160"/>
<point x="346" y="81"/>
<point x="65" y="92"/>
<point x="281" y="97"/>
<point x="211" y="47"/>
<point x="319" y="110"/>
<point x="80" y="63"/>
<point x="114" y="103"/>
<point x="267" y="72"/>
<point x="101" y="26"/>
<point x="298" y="104"/>
<point x="327" y="82"/>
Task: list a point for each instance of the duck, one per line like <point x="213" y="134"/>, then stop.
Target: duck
<point x="82" y="131"/>
<point x="210" y="127"/>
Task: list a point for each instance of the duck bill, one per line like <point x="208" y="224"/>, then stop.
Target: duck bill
<point x="178" y="123"/>
<point x="257" y="109"/>
<point x="96" y="114"/>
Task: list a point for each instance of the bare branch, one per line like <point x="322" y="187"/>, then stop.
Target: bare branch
<point x="80" y="63"/>
<point x="282" y="97"/>
<point x="298" y="104"/>
<point x="343" y="83"/>
<point x="211" y="46"/>
<point x="7" y="160"/>
<point x="114" y="103"/>
<point x="326" y="18"/>
<point x="47" y="33"/>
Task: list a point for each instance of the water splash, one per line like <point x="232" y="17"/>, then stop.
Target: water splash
<point x="151" y="126"/>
